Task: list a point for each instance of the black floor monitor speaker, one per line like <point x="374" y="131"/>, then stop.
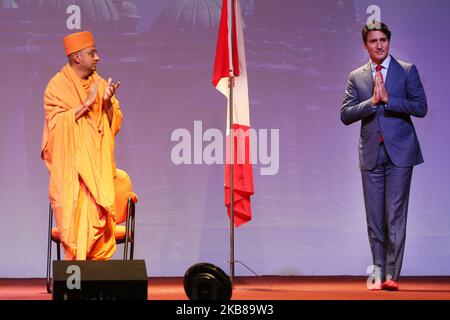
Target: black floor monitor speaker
<point x="205" y="281"/>
<point x="100" y="280"/>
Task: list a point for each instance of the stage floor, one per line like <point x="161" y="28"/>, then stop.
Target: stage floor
<point x="266" y="288"/>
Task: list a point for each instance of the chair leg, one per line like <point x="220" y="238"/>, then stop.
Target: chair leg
<point x="132" y="249"/>
<point x="127" y="230"/>
<point x="58" y="250"/>
<point x="132" y="222"/>
<point x="49" y="265"/>
<point x="124" y="252"/>
<point x="49" y="249"/>
<point x="125" y="247"/>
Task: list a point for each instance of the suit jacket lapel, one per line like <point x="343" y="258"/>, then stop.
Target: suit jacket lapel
<point x="390" y="77"/>
<point x="368" y="78"/>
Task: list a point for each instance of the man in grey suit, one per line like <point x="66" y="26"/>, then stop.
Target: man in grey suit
<point x="383" y="94"/>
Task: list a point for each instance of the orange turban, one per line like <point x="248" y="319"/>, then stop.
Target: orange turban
<point x="78" y="41"/>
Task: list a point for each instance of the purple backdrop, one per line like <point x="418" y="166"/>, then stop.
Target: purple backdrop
<point x="308" y="219"/>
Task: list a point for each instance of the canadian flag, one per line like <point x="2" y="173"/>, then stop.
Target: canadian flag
<point x="230" y="55"/>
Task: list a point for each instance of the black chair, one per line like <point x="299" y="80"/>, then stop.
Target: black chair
<point x="125" y="212"/>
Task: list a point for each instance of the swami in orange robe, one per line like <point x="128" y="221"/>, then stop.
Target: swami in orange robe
<point x="82" y="117"/>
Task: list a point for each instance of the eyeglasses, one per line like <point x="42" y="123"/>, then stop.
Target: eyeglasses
<point x="92" y="53"/>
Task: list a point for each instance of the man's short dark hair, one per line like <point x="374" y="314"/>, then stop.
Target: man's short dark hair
<point x="380" y="26"/>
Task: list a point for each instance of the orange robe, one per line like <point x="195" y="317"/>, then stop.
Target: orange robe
<point x="80" y="158"/>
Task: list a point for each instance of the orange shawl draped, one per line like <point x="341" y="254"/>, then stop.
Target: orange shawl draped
<point x="80" y="158"/>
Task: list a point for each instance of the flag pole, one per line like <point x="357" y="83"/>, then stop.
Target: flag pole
<point x="231" y="142"/>
<point x="231" y="157"/>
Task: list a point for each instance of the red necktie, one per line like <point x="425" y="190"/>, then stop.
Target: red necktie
<point x="378" y="69"/>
